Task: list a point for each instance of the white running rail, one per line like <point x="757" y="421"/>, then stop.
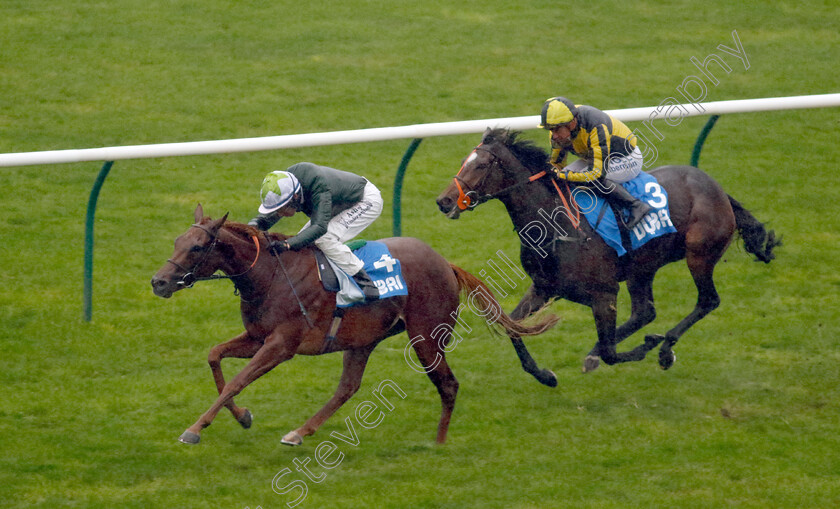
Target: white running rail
<point x="393" y="133"/>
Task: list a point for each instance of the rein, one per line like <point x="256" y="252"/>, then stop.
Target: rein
<point x="292" y="286"/>
<point x="189" y="278"/>
<point x="574" y="220"/>
<point x="471" y="199"/>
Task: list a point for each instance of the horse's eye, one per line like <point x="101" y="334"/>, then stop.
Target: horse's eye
<point x="197" y="249"/>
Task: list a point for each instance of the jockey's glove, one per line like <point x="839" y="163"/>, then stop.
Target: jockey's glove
<point x="278" y="246"/>
<point x="560" y="173"/>
<point x="259" y="223"/>
<point x="558" y="170"/>
<point x="263" y="222"/>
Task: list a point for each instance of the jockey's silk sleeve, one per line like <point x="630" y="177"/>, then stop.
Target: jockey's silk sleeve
<point x="318" y="221"/>
<point x="599" y="136"/>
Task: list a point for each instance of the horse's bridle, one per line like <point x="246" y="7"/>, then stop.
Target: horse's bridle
<point x="472" y="199"/>
<point x="189" y="278"/>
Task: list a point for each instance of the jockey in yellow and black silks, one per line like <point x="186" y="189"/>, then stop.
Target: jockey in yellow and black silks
<point x="606" y="148"/>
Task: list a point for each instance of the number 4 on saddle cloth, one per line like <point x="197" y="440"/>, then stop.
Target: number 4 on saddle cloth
<point x="384" y="271"/>
<point x="655" y="224"/>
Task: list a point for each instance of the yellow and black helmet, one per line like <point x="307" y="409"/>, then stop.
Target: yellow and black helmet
<point x="557" y="111"/>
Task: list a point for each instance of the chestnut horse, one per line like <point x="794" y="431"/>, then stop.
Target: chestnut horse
<point x="286" y="311"/>
<point x="577" y="265"/>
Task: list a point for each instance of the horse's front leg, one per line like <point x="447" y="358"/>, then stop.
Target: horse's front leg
<point x="351" y="379"/>
<point x="530" y="303"/>
<point x="240" y="347"/>
<point x="275" y="350"/>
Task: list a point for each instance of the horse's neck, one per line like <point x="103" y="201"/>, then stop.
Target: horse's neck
<point x="539" y="201"/>
<point x="244" y="252"/>
<point x="255" y="272"/>
<point x="246" y="265"/>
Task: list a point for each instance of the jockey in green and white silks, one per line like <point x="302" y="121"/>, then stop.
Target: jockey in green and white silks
<point x="339" y="205"/>
<point x="607" y="151"/>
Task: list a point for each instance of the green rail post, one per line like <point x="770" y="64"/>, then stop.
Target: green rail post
<point x="91" y="211"/>
<point x="398" y="182"/>
<point x="701" y="138"/>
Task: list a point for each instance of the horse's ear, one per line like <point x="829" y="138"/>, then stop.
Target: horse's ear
<point x="215" y="225"/>
<point x="199" y="213"/>
<point x="487" y="136"/>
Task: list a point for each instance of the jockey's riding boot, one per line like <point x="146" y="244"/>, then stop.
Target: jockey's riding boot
<point x="618" y="196"/>
<point x="368" y="288"/>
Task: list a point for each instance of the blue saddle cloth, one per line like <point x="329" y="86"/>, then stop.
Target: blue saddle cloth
<point x="655" y="224"/>
<point x="384" y="270"/>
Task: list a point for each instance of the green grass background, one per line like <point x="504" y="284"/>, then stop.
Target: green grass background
<point x="748" y="416"/>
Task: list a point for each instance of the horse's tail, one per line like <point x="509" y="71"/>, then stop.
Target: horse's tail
<point x="757" y="240"/>
<point x="493" y="314"/>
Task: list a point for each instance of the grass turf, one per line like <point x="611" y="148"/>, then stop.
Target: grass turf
<point x="746" y="418"/>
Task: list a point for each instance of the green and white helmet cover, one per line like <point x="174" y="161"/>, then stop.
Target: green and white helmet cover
<point x="278" y="189"/>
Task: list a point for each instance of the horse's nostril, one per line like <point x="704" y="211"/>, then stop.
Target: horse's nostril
<point x="157" y="282"/>
<point x="444" y="204"/>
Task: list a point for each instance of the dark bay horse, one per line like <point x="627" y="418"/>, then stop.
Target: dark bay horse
<point x="286" y="311"/>
<point x="572" y="262"/>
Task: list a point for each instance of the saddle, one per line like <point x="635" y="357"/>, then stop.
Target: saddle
<point x="656" y="223"/>
<point x="384" y="271"/>
<point x="326" y="273"/>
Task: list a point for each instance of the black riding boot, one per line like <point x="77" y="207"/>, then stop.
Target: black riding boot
<point x="617" y="196"/>
<point x="368" y="288"/>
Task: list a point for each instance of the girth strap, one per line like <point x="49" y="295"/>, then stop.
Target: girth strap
<point x="329" y="341"/>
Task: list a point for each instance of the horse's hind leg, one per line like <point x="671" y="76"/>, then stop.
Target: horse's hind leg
<point x="702" y="270"/>
<point x="351" y="379"/>
<point x="642" y="313"/>
<point x="240" y="347"/>
<point x="603" y="310"/>
<point x="530" y="303"/>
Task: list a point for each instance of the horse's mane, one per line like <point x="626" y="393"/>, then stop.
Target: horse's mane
<point x="248" y="231"/>
<point x="529" y="154"/>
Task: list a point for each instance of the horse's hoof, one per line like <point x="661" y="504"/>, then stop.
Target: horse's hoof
<point x="653" y="340"/>
<point x="667" y="358"/>
<point x="548" y="378"/>
<point x="188" y="437"/>
<point x="591" y="363"/>
<point x="292" y="438"/>
<point x="246" y="419"/>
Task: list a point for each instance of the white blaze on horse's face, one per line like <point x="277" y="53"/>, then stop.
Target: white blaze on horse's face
<point x="471" y="159"/>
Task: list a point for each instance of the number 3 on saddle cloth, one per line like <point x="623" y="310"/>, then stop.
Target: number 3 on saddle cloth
<point x="655" y="224"/>
<point x="384" y="271"/>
